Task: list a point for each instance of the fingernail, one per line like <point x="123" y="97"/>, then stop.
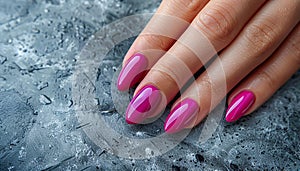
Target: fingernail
<point x="239" y="105"/>
<point x="132" y="72"/>
<point x="181" y="116"/>
<point x="143" y="105"/>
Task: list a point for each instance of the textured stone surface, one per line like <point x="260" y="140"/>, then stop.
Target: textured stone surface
<point x="39" y="130"/>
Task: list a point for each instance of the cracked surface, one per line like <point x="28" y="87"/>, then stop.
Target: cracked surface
<point x="39" y="130"/>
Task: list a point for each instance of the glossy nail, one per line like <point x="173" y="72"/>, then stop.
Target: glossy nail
<point x="239" y="105"/>
<point x="181" y="116"/>
<point x="143" y="105"/>
<point x="132" y="72"/>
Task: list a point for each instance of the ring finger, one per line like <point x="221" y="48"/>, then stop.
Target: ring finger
<point x="258" y="40"/>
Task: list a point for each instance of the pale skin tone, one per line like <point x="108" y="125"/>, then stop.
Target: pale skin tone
<point x="257" y="42"/>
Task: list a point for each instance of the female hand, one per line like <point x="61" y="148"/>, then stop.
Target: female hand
<point x="258" y="47"/>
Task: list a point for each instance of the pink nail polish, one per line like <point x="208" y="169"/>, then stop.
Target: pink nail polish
<point x="143" y="105"/>
<point x="181" y="116"/>
<point x="239" y="105"/>
<point x="132" y="72"/>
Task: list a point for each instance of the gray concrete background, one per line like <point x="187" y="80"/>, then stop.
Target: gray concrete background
<point x="38" y="126"/>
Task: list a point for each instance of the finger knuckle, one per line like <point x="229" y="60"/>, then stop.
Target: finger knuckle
<point x="260" y="37"/>
<point x="155" y="41"/>
<point x="294" y="48"/>
<point x="206" y="82"/>
<point x="163" y="74"/>
<point x="266" y="77"/>
<point x="188" y="5"/>
<point x="218" y="22"/>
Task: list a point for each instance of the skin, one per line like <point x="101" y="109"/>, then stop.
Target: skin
<point x="257" y="42"/>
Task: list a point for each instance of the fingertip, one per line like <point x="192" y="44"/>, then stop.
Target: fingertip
<point x="144" y="105"/>
<point x="130" y="122"/>
<point x="132" y="72"/>
<point x="240" y="104"/>
<point x="183" y="115"/>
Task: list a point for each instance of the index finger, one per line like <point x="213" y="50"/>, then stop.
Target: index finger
<point x="166" y="26"/>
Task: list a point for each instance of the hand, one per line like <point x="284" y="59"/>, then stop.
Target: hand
<point x="258" y="47"/>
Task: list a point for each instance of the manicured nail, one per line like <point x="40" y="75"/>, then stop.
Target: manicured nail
<point x="143" y="105"/>
<point x="132" y="72"/>
<point x="239" y="105"/>
<point x="181" y="116"/>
